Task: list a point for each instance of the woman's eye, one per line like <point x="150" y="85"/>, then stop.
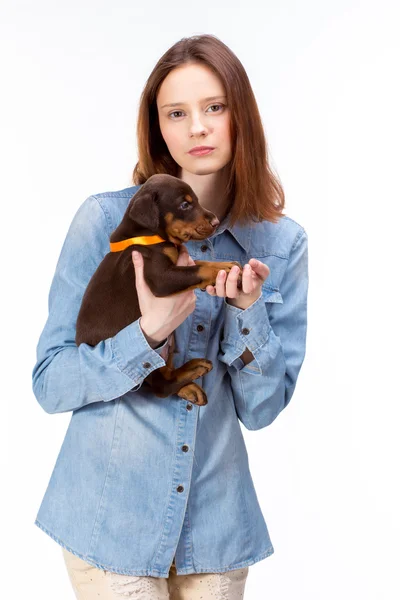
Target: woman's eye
<point x="218" y="105"/>
<point x="174" y="112"/>
<point x="212" y="106"/>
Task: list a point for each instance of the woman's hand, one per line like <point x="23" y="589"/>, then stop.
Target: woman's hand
<point x="161" y="316"/>
<point x="253" y="276"/>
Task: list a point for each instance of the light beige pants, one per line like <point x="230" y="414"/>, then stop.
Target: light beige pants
<point x="91" y="583"/>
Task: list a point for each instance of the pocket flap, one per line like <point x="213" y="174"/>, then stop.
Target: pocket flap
<point x="270" y="294"/>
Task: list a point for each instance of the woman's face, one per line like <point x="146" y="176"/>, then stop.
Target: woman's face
<point x="195" y="120"/>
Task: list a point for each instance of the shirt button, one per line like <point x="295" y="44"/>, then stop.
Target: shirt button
<point x="180" y="488"/>
<point x="203" y="289"/>
<point x="245" y="331"/>
<point x="204" y="248"/>
<point x="200" y="327"/>
<point x="147" y="365"/>
<point x="189" y="406"/>
<point x="185" y="448"/>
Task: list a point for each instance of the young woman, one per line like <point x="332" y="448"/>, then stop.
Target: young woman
<point x="152" y="497"/>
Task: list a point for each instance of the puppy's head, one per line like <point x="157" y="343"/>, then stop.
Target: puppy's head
<point x="167" y="206"/>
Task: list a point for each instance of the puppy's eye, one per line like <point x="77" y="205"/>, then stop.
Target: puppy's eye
<point x="184" y="205"/>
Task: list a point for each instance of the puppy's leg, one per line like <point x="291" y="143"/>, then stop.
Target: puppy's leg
<point x="175" y="279"/>
<point x="166" y="381"/>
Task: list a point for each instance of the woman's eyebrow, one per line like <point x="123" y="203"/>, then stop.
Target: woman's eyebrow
<point x="183" y="103"/>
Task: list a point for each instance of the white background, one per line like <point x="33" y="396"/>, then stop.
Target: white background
<point x="326" y="78"/>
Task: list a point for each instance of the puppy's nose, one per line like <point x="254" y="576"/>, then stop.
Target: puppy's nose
<point x="214" y="222"/>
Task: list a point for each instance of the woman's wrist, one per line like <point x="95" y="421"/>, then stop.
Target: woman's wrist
<point x="153" y="338"/>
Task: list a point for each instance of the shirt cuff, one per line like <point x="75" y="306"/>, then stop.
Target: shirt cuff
<point x="134" y="355"/>
<point x="244" y="328"/>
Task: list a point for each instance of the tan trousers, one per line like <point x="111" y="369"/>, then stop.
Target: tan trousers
<point x="91" y="583"/>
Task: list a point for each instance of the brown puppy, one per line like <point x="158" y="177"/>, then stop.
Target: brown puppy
<point x="162" y="214"/>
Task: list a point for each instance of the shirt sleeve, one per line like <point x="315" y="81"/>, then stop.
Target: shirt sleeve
<point x="263" y="388"/>
<point x="67" y="377"/>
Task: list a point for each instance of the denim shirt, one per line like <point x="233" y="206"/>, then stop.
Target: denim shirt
<point x="139" y="479"/>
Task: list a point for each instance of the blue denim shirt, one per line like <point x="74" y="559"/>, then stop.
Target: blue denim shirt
<point x="139" y="479"/>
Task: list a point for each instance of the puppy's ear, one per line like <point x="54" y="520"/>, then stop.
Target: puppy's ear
<point x="145" y="211"/>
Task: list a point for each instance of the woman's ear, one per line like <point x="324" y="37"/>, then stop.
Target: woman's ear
<point x="144" y="210"/>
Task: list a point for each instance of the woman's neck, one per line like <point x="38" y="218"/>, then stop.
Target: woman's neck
<point x="210" y="190"/>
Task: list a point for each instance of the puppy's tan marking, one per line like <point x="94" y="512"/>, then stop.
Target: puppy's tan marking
<point x="172" y="253"/>
<point x="177" y="228"/>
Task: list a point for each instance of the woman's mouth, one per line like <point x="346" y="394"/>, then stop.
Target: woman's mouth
<point x="201" y="151"/>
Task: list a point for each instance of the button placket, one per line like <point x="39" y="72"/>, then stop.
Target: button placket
<point x="182" y="473"/>
<point x="189" y="406"/>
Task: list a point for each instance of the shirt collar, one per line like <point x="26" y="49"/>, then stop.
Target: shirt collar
<point x="241" y="233"/>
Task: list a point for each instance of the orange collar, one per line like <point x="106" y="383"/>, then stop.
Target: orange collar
<point x="142" y="240"/>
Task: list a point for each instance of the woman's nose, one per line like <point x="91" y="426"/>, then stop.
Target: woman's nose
<point x="197" y="126"/>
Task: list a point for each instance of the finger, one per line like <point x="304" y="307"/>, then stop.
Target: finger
<point x="184" y="259"/>
<point x="182" y="256"/>
<point x="182" y="262"/>
<point x="137" y="260"/>
<point x="247" y="279"/>
<point x="259" y="268"/>
<point x="231" y="282"/>
<point x="220" y="284"/>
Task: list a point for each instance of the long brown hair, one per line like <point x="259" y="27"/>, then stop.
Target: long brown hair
<point x="255" y="192"/>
